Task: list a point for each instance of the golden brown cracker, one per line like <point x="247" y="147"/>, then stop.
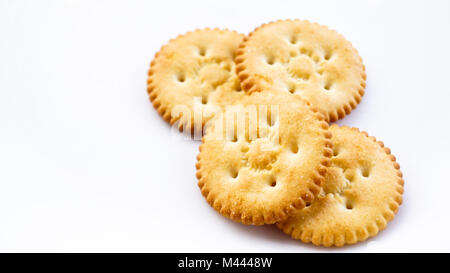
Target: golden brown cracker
<point x="361" y="193"/>
<point x="193" y="76"/>
<point x="304" y="59"/>
<point x="273" y="166"/>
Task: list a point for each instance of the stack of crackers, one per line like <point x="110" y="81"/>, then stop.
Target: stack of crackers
<point x="262" y="104"/>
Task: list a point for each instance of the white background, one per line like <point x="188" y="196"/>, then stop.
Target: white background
<point x="86" y="163"/>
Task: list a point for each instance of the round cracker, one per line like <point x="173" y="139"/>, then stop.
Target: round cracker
<point x="304" y="59"/>
<point x="193" y="76"/>
<point x="361" y="193"/>
<point x="270" y="167"/>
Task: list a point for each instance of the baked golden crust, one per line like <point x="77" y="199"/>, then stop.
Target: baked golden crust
<point x="304" y="59"/>
<point x="362" y="192"/>
<point x="263" y="174"/>
<point x="193" y="76"/>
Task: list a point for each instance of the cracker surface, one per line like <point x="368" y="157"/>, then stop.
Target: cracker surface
<point x="266" y="170"/>
<point x="361" y="193"/>
<point x="303" y="59"/>
<point x="193" y="76"/>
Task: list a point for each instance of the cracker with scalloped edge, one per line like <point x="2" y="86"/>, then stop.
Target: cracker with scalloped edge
<point x="273" y="166"/>
<point x="361" y="193"/>
<point x="303" y="59"/>
<point x="193" y="76"/>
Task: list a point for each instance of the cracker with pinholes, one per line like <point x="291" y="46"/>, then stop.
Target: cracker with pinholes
<point x="304" y="59"/>
<point x="193" y="76"/>
<point x="362" y="192"/>
<point x="270" y="168"/>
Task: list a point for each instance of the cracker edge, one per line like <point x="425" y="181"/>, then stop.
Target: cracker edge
<point x="372" y="229"/>
<point x="153" y="93"/>
<point x="317" y="177"/>
<point x="249" y="85"/>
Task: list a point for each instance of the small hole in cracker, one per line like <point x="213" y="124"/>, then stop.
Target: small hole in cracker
<point x="348" y="205"/>
<point x="327" y="85"/>
<point x="294" y="147"/>
<point x="327" y="56"/>
<point x="180" y="77"/>
<point x="270" y="60"/>
<point x="234" y="173"/>
<point x="272" y="182"/>
<point x="365" y="172"/>
<point x="202" y="51"/>
<point x="291" y="88"/>
<point x="204" y="99"/>
<point x="335" y="151"/>
<point x="293" y="39"/>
